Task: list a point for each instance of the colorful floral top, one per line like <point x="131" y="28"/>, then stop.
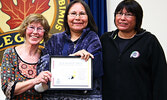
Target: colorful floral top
<point x="14" y="70"/>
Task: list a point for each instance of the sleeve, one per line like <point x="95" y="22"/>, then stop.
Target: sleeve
<point x="95" y="48"/>
<point x="159" y="71"/>
<point x="97" y="65"/>
<point x="7" y="73"/>
<point x="43" y="63"/>
<point x="49" y="46"/>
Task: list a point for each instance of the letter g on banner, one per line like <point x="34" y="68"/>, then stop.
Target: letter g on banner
<point x="13" y="12"/>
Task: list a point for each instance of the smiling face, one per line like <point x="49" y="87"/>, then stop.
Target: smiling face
<point x="77" y="18"/>
<point x="34" y="33"/>
<point x="124" y="22"/>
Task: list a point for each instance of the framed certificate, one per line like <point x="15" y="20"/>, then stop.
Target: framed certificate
<point x="70" y="73"/>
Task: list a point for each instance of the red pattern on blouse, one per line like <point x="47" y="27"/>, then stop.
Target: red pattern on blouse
<point x="27" y="70"/>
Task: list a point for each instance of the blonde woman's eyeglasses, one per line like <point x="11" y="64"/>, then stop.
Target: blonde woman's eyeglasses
<point x="32" y="29"/>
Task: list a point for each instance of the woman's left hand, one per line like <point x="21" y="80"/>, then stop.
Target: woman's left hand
<point x="84" y="54"/>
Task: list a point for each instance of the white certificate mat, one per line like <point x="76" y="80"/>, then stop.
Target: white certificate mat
<point x="70" y="73"/>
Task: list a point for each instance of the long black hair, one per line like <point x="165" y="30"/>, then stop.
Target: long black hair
<point x="91" y="22"/>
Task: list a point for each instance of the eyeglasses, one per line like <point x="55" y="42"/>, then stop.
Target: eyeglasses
<point x="32" y="29"/>
<point x="81" y="15"/>
<point x="127" y="15"/>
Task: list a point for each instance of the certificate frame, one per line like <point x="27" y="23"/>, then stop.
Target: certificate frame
<point x="70" y="73"/>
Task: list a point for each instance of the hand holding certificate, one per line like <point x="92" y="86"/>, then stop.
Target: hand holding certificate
<point x="70" y="73"/>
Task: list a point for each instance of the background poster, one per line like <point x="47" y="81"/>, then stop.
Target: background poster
<point x="13" y="12"/>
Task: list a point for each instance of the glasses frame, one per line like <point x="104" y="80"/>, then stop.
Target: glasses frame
<point x="32" y="29"/>
<point x="127" y="15"/>
<point x="81" y="15"/>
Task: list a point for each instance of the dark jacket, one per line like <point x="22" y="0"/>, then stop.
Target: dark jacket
<point x="138" y="73"/>
<point x="61" y="44"/>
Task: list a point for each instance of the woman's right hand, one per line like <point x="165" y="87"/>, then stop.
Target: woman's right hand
<point x="84" y="54"/>
<point x="43" y="77"/>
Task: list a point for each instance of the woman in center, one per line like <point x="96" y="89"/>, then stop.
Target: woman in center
<point x="79" y="39"/>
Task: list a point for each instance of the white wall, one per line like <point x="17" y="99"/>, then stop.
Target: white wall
<point x="154" y="18"/>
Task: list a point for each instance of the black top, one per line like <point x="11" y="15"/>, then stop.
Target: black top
<point x="138" y="73"/>
<point x="122" y="43"/>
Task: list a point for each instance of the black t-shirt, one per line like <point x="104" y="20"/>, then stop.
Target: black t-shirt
<point x="122" y="43"/>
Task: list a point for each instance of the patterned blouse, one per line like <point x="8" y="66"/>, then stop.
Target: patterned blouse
<point x="14" y="70"/>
